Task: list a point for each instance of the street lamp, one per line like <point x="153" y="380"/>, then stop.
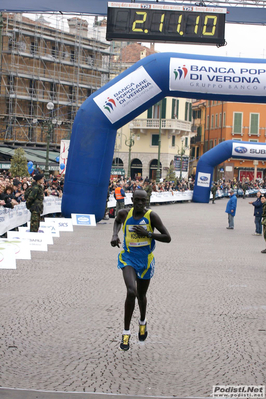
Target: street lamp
<point x="158" y="171"/>
<point x="50" y="122"/>
<point x="129" y="142"/>
<point x="182" y="153"/>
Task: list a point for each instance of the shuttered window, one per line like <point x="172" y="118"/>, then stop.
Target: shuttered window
<point x="237" y="128"/>
<point x="175" y="108"/>
<point x="254" y="124"/>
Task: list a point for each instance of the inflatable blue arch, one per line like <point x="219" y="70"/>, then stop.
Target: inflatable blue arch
<point x="134" y="91"/>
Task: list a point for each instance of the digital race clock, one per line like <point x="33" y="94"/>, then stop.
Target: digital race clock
<point x="161" y="22"/>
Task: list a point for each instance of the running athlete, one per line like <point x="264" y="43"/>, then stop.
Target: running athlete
<point x="136" y="259"/>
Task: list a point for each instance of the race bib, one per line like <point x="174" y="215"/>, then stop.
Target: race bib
<point x="133" y="240"/>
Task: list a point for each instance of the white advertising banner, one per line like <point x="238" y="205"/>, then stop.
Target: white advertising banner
<point x="64" y="148"/>
<point x="63" y="224"/>
<point x="35" y="241"/>
<point x="83" y="220"/>
<point x="52" y="227"/>
<point x="126" y="95"/>
<point x="156" y="197"/>
<point x="217" y="77"/>
<point x="47" y="234"/>
<point x="19" y="215"/>
<point x="204" y="180"/>
<point x="7" y="257"/>
<point x="19" y="248"/>
<point x="251" y="150"/>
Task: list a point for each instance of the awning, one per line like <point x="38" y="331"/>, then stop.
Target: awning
<point x="34" y="155"/>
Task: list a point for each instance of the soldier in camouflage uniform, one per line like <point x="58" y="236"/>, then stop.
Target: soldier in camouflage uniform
<point x="148" y="188"/>
<point x="35" y="202"/>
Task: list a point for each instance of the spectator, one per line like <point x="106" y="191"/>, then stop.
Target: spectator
<point x="263" y="200"/>
<point x="231" y="209"/>
<point x="119" y="196"/>
<point x="257" y="213"/>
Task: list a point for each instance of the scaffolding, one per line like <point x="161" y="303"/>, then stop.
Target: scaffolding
<point x="41" y="64"/>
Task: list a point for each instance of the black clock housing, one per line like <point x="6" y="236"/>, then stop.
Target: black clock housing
<point x="165" y="23"/>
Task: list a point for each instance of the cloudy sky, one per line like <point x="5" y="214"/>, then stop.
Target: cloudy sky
<point x="242" y="41"/>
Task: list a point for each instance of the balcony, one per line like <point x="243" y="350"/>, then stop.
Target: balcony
<point x="174" y="126"/>
<point x="195" y="140"/>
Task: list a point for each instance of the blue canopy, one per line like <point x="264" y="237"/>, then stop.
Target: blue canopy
<point x="238" y="14"/>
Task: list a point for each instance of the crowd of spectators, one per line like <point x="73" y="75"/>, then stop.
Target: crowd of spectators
<point x="130" y="185"/>
<point x="12" y="189"/>
<point x="240" y="187"/>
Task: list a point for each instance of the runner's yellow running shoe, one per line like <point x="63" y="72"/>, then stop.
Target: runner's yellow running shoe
<point x="124" y="346"/>
<point x="143" y="332"/>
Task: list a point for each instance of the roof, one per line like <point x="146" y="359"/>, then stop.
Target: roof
<point x="134" y="52"/>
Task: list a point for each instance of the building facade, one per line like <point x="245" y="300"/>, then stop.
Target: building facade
<point x="218" y="121"/>
<point x="41" y="64"/>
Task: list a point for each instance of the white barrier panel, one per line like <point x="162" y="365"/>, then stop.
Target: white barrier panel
<point x="52" y="227"/>
<point x="35" y="241"/>
<point x="46" y="233"/>
<point x="63" y="224"/>
<point x="164" y="196"/>
<point x="7" y="257"/>
<point x="21" y="250"/>
<point x="83" y="220"/>
<point x="19" y="215"/>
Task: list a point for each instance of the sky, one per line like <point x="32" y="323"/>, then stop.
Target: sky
<point x="244" y="41"/>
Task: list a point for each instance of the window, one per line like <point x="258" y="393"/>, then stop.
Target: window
<point x="253" y="140"/>
<point x="220" y="119"/>
<point x="55" y="52"/>
<point x="32" y="89"/>
<point x="212" y="121"/>
<point x="52" y="90"/>
<point x="215" y="143"/>
<point x="155" y="139"/>
<point x="72" y="56"/>
<point x="208" y="122"/>
<point x="188" y="112"/>
<point x="254" y="124"/>
<point x="216" y="120"/>
<point x="175" y="108"/>
<point x="211" y="144"/>
<point x="237" y="127"/>
<point x="186" y="141"/>
<point x="33" y="48"/>
<point x="154" y="111"/>
<point x="197" y="153"/>
<point x="173" y="141"/>
<point x="224" y="120"/>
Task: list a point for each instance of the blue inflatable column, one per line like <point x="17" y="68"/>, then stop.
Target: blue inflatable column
<point x="89" y="163"/>
<point x="206" y="164"/>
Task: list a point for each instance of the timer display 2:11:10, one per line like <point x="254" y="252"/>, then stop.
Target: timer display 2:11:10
<point x="165" y="25"/>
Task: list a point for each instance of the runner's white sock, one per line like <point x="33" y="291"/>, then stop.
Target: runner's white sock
<point x="142" y="323"/>
<point x="126" y="332"/>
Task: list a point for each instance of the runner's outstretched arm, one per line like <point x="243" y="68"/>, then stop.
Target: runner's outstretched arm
<point x="119" y="220"/>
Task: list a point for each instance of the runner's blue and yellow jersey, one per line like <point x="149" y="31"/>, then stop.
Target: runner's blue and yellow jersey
<point x="137" y="251"/>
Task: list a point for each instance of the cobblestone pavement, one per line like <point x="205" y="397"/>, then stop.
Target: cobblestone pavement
<point x="61" y="313"/>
